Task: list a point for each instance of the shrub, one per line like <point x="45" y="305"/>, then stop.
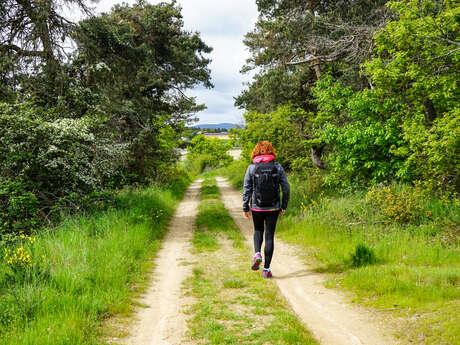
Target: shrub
<point x="401" y="206"/>
<point x="19" y="209"/>
<point x="43" y="161"/>
<point x="282" y="127"/>
<point x="210" y="153"/>
<point x="363" y="255"/>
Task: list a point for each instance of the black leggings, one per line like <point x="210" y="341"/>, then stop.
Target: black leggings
<point x="267" y="220"/>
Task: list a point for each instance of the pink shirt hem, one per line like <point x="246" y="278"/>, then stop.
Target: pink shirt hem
<point x="258" y="210"/>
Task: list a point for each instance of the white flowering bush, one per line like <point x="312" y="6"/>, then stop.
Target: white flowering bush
<point x="54" y="159"/>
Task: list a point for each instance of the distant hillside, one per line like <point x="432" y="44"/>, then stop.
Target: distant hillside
<point x="224" y="125"/>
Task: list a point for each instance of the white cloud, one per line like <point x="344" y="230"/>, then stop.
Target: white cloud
<point x="222" y="25"/>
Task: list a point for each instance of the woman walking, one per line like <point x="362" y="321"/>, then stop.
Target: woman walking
<point x="261" y="196"/>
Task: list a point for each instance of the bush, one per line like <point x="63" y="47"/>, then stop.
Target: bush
<point x="401" y="206"/>
<point x="19" y="209"/>
<point x="363" y="255"/>
<point x="435" y="151"/>
<point x="282" y="127"/>
<point x="44" y="161"/>
<point x="209" y="153"/>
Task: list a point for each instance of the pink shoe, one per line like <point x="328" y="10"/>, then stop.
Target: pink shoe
<point x="267" y="273"/>
<point x="256" y="262"/>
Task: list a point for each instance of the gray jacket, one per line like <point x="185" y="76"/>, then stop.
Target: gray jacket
<point x="249" y="193"/>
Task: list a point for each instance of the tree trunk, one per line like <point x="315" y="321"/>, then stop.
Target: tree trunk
<point x="430" y="111"/>
<point x="317" y="70"/>
<point x="316" y="153"/>
<point x="40" y="18"/>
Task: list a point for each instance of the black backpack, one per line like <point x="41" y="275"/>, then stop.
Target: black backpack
<point x="266" y="184"/>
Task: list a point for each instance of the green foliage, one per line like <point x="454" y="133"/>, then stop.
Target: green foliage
<point x="141" y="78"/>
<point x="279" y="127"/>
<point x="275" y="88"/>
<point x="417" y="66"/>
<point x="434" y="151"/>
<point x="110" y="115"/>
<point x="209" y="152"/>
<point x="45" y="161"/>
<point x="362" y="256"/>
<point x="19" y="209"/>
<point x="398" y="120"/>
<point x="402" y="206"/>
<point x="362" y="132"/>
<point x="293" y="41"/>
<point x="61" y="156"/>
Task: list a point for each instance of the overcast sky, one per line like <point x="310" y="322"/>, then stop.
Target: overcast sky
<point x="222" y="25"/>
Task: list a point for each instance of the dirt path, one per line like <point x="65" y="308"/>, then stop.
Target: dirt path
<point x="235" y="154"/>
<point x="325" y="312"/>
<point x="163" y="322"/>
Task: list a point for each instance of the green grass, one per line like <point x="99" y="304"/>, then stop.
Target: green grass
<point x="235" y="172"/>
<point x="233" y="304"/>
<point x="246" y="311"/>
<point x="209" y="189"/>
<point x="416" y="274"/>
<point x="213" y="220"/>
<point x="93" y="267"/>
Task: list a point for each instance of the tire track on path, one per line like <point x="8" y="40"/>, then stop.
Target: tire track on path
<point x="163" y="322"/>
<point x="326" y="312"/>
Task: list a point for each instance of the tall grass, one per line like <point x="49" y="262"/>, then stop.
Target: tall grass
<point x="85" y="270"/>
<point x="235" y="172"/>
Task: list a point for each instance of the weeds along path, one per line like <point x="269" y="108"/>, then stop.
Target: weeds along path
<point x="326" y="313"/>
<point x="162" y="321"/>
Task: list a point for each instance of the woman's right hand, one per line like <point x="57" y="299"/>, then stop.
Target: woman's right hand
<point x="247" y="215"/>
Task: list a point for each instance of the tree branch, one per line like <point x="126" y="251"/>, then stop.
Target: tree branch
<point x="446" y="54"/>
<point x="21" y="51"/>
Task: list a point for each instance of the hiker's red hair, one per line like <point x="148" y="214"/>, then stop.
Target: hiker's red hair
<point x="263" y="148"/>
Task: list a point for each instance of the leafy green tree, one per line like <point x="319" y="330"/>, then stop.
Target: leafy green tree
<point x="295" y="42"/>
<point x="142" y="55"/>
<point x="212" y="146"/>
<point x="277" y="87"/>
<point x="361" y="133"/>
<point x="140" y="61"/>
<point x="417" y="66"/>
<point x="211" y="152"/>
<point x="406" y="126"/>
<point x="282" y="127"/>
